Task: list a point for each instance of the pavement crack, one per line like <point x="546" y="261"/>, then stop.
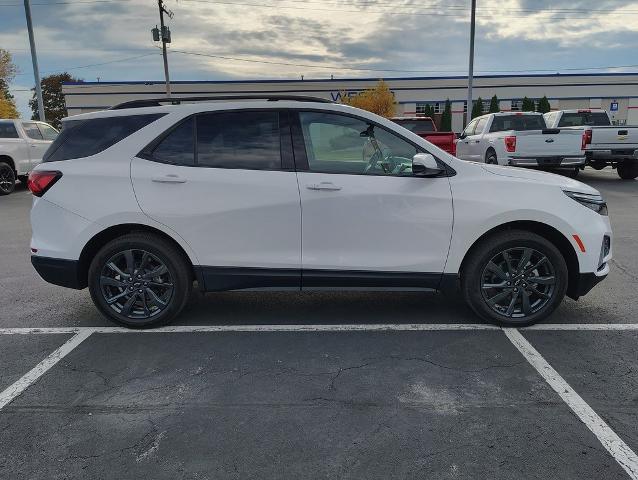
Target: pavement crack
<point x="624" y="269"/>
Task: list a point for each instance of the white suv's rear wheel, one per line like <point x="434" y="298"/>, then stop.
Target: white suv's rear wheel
<point x="514" y="278"/>
<point x="140" y="280"/>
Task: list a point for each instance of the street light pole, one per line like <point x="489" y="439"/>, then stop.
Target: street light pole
<point x="34" y="59"/>
<point x="163" y="36"/>
<point x="470" y="75"/>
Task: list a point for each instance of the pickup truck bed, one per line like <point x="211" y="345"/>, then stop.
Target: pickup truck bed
<point x="426" y="128"/>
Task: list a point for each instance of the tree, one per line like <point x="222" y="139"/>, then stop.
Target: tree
<point x="528" y="105"/>
<point x="428" y="111"/>
<point x="7" y="73"/>
<point x="494" y="105"/>
<point x="52" y="97"/>
<point x="543" y="105"/>
<point x="379" y="100"/>
<point x="446" y="117"/>
<point x="477" y="108"/>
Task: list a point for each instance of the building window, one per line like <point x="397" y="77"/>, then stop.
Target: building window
<point x="517" y="105"/>
<point x="465" y="106"/>
<point x="424" y="107"/>
<point x="485" y="108"/>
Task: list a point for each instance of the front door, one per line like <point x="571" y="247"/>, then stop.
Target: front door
<point x="230" y="198"/>
<point x="366" y="220"/>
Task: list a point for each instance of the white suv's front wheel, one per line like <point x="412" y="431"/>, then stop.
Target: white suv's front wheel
<point x="514" y="278"/>
<point x="140" y="280"/>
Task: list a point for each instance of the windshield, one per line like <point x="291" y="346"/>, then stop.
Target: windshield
<point x="519" y="123"/>
<point x="579" y="119"/>
<point x="417" y="126"/>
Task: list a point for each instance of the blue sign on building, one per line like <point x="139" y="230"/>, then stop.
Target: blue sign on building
<point x="613" y="107"/>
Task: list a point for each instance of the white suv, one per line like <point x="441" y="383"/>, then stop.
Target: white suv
<point x="140" y="201"/>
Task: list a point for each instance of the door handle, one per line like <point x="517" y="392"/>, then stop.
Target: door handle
<point x="170" y="178"/>
<point x="328" y="186"/>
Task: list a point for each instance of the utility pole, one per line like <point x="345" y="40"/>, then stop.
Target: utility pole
<point x="34" y="59"/>
<point x="470" y="75"/>
<point x="165" y="35"/>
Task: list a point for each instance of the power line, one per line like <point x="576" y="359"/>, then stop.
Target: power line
<point x="95" y="64"/>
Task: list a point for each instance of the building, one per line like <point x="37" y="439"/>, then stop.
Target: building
<point x="615" y="92"/>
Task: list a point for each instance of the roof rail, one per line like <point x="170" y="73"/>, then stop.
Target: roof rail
<point x="158" y="102"/>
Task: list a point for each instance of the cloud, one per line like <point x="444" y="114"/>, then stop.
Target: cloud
<point x="429" y="37"/>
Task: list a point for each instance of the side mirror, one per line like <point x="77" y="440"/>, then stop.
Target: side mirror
<point x="462" y="136"/>
<point x="425" y="165"/>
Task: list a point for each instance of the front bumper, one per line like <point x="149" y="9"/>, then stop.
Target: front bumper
<point x="586" y="281"/>
<point x="65" y="273"/>
<point x="547" y="162"/>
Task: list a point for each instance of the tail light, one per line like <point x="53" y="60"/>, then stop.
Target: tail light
<point x="587" y="134"/>
<point x="510" y="144"/>
<point x="40" y="181"/>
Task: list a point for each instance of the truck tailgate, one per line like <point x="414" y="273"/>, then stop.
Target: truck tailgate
<point x="614" y="138"/>
<point x="550" y="142"/>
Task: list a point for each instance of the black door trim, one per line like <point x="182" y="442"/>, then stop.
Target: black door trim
<point x="217" y="279"/>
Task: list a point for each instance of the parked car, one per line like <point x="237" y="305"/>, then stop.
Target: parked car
<point x="521" y="139"/>
<point x="22" y="145"/>
<point x="425" y="127"/>
<point x="140" y="201"/>
<point x="606" y="145"/>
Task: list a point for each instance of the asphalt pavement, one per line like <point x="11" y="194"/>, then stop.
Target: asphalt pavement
<point x="318" y="385"/>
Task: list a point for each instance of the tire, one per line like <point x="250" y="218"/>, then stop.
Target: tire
<point x="476" y="278"/>
<point x="628" y="171"/>
<point x="7" y="179"/>
<point x="491" y="158"/>
<point x="147" y="301"/>
<point x="573" y="173"/>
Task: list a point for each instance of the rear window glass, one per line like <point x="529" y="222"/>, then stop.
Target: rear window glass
<point x="248" y="140"/>
<point x="593" y="119"/>
<point x="8" y="130"/>
<point x="178" y="146"/>
<point x="417" y="126"/>
<point x="519" y="123"/>
<point x="95" y="135"/>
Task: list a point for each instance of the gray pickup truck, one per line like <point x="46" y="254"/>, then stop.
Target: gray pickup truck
<point x="605" y="145"/>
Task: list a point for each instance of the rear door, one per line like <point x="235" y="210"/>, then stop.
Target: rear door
<point x="225" y="182"/>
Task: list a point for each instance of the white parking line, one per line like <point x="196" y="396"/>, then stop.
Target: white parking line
<point x="32" y="376"/>
<point x="618" y="449"/>
<point x="317" y="328"/>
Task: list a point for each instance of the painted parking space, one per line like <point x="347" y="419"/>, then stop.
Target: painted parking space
<point x="19" y="353"/>
<point x="260" y="404"/>
<point x="603" y="368"/>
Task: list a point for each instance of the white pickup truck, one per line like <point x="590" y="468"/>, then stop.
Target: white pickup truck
<point x="606" y="145"/>
<point x="521" y="139"/>
<point x="22" y="145"/>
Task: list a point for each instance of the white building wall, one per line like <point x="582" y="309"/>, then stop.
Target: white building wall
<point x="563" y="91"/>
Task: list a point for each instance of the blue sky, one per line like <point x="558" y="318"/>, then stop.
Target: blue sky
<point x="111" y="39"/>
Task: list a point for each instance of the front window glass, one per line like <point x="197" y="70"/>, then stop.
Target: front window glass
<point x="480" y="125"/>
<point x="342" y="144"/>
<point x="469" y="130"/>
<point x="32" y="131"/>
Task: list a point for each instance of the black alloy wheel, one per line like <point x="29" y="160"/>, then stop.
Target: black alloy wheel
<point x="514" y="278"/>
<point x="7" y="179"/>
<point x="518" y="282"/>
<point x="140" y="280"/>
<point x="136" y="284"/>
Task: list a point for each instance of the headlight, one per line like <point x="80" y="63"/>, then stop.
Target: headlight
<point x="593" y="202"/>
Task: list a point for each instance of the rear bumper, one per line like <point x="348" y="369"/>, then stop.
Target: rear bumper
<point x="65" y="273"/>
<point x="609" y="155"/>
<point x="547" y="162"/>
